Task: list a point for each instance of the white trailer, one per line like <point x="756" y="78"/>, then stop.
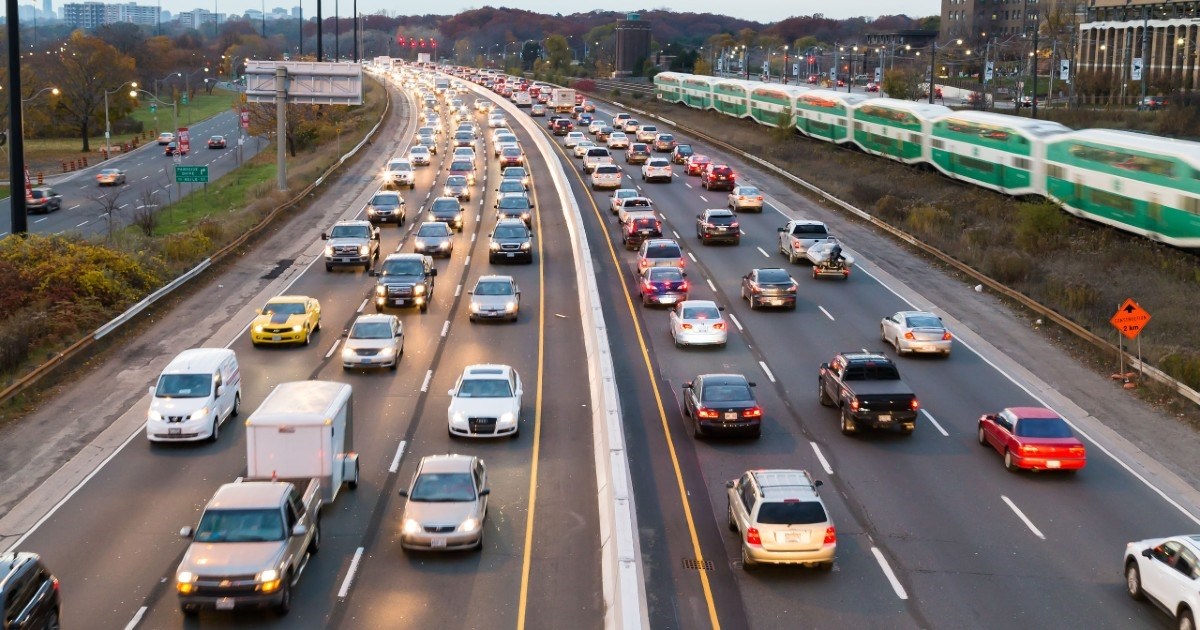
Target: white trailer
<point x="303" y="430"/>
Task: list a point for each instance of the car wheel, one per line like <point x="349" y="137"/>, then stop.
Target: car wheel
<point x="318" y="325"/>
<point x="378" y="308"/>
<point x="307" y="337"/>
<point x="1133" y="580"/>
<point x="1186" y="621"/>
<point x="791" y="256"/>
<point x="328" y="267"/>
<point x="982" y="436"/>
<point x="748" y="565"/>
<point x="675" y="339"/>
<point x="1009" y="464"/>
<point x="285" y="596"/>
<point x="848" y="427"/>
<point x="425" y="305"/>
<point x="215" y="434"/>
<point x="237" y="406"/>
<point x="822" y="395"/>
<point x="697" y="431"/>
<point x="189" y="610"/>
<point x="825" y="566"/>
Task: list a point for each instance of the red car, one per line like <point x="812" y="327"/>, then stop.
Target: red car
<point x="543" y="98"/>
<point x="718" y="176"/>
<point x="872" y="87"/>
<point x="1032" y="438"/>
<point x="812" y="78"/>
<point x="697" y="163"/>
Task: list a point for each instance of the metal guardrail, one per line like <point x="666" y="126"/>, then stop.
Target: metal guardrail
<point x="1074" y="328"/>
<point x="61" y="358"/>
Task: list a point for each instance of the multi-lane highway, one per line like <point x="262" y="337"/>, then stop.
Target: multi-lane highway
<point x="146" y="169"/>
<point x="540" y="557"/>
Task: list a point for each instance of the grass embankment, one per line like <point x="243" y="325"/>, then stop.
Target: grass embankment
<point x="68" y="285"/>
<point x="1079" y="268"/>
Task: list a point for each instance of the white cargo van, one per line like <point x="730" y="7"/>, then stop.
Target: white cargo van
<point x="196" y="393"/>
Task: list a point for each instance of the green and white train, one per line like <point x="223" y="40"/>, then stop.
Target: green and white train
<point x="1144" y="184"/>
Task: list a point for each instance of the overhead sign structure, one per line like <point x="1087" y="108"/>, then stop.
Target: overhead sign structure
<point x="1130" y="319"/>
<point x="308" y="82"/>
<point x="191" y="174"/>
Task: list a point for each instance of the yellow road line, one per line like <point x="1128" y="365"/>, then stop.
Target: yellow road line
<point x="537" y="414"/>
<point x="662" y="414"/>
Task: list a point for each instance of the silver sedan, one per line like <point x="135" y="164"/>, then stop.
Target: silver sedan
<point x="447" y="504"/>
<point x="374" y="341"/>
<point x="699" y="323"/>
<point x="495" y="297"/>
<point x="916" y="331"/>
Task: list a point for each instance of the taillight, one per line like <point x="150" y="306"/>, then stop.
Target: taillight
<point x="752" y="537"/>
<point x="683" y="286"/>
<point x="1077" y="451"/>
<point x="649" y="285"/>
<point x="853" y="405"/>
<point x="753" y="412"/>
<point x="706" y="413"/>
<point x="733" y="225"/>
<point x="718" y="326"/>
<point x="54" y="583"/>
<point x="687" y="326"/>
<point x="1028" y="449"/>
<point x="916" y="404"/>
<point x="830" y="535"/>
<point x="946" y="336"/>
<point x="909" y="336"/>
<point x="791" y="289"/>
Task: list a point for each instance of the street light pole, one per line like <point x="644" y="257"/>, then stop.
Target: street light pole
<point x="1145" y="47"/>
<point x="52" y="90"/>
<point x="786" y="67"/>
<point x="107" y="126"/>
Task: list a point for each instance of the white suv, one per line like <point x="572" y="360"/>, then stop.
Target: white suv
<point x="1167" y="572"/>
<point x="781" y="519"/>
<point x="399" y="172"/>
<point x="486" y="402"/>
<point x="657" y="169"/>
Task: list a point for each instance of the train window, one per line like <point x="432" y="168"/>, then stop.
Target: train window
<point x="938" y="144"/>
<point x="1021" y="163"/>
<point x="1055" y="171"/>
<point x="1190" y="205"/>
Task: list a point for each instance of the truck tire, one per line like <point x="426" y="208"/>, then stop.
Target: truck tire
<point x="285" y="601"/>
<point x="791" y="254"/>
<point x="848" y="427"/>
<point x="822" y="396"/>
<point x="216" y="429"/>
<point x="353" y="483"/>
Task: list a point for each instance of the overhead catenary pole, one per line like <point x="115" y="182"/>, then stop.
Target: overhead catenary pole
<point x="320" y="41"/>
<point x="355" y="31"/>
<point x="1034" y="71"/>
<point x="16" y="143"/>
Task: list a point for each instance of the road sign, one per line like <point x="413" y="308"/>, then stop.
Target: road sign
<point x="153" y="107"/>
<point x="185" y="99"/>
<point x="245" y="119"/>
<point x="1130" y="319"/>
<point x="989" y="71"/>
<point x="795" y="69"/>
<point x="1064" y="69"/>
<point x="878" y="74"/>
<point x="1135" y="71"/>
<point x="191" y="174"/>
<point x="185" y="143"/>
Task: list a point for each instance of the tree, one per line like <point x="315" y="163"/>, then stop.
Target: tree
<point x="558" y="52"/>
<point x="83" y="70"/>
<point x="702" y="67"/>
<point x="903" y="83"/>
<point x="462" y="50"/>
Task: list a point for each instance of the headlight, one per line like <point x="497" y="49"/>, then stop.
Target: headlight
<point x="469" y="525"/>
<point x="348" y="354"/>
<point x="363" y="249"/>
<point x="475" y="307"/>
<point x="268" y="575"/>
<point x="510" y="307"/>
<point x="387" y="352"/>
<point x="185" y="577"/>
<point x="419" y="243"/>
<point x="494" y="246"/>
<point x="329" y="250"/>
<point x="380" y="290"/>
<point x="525" y="245"/>
<point x="297" y="328"/>
<point x="199" y="413"/>
<point x="154" y="416"/>
<point x="507" y="418"/>
<point x="457" y="418"/>
<point x="525" y="215"/>
<point x="411" y="526"/>
<point x="258" y="328"/>
<point x="444" y="244"/>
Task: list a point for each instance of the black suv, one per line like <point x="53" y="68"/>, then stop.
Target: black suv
<point x="511" y="240"/>
<point x="447" y="210"/>
<point x="404" y="280"/>
<point x="29" y="595"/>
<point x="515" y="207"/>
<point x="717" y="224"/>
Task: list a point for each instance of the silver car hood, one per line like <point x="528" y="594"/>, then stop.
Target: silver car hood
<point x="450" y="513"/>
<point x="493" y="302"/>
<point x="221" y="559"/>
<point x="346" y="242"/>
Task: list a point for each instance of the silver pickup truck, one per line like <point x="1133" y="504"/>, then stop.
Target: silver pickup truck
<point x="250" y="547"/>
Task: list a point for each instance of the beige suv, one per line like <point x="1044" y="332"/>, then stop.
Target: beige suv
<point x="781" y="519"/>
<point x="447" y="504"/>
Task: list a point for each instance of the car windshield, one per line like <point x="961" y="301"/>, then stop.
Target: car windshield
<point x="464" y="135"/>
<point x="513" y="203"/>
<point x="512" y="186"/>
<point x="446" y="205"/>
<point x="443" y="488"/>
<point x="399" y="166"/>
<point x="350" y="231"/>
<point x="371" y="330"/>
<point x="512" y="152"/>
<point x="659" y="162"/>
<point x="460" y="165"/>
<point x="419" y="150"/>
<point x="514" y="172"/>
<point x="510" y="231"/>
<point x="485" y="388"/>
<point x="233" y="526"/>
<point x="791" y="513"/>
<point x="662" y="251"/>
<point x="110" y="171"/>
<point x="720" y="219"/>
<point x="665" y="274"/>
<point x="747" y="190"/>
<point x="607" y="170"/>
<point x="810" y="231"/>
<point x="625" y="193"/>
<point x="665" y="137"/>
<point x="283" y="308"/>
<point x="774" y="276"/>
<point x="494" y="287"/>
<point x="434" y="229"/>
<point x="456" y="180"/>
<point x="923" y="321"/>
<point x="726" y="393"/>
<point x="184" y="386"/>
<point x="701" y="312"/>
<point x="1043" y="428"/>
<point x="403" y="268"/>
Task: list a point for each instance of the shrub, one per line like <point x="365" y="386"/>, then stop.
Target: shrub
<point x="1184" y="366"/>
<point x="186" y="247"/>
<point x="211" y="228"/>
<point x="17" y="333"/>
<point x="615" y="93"/>
<point x="1040" y="226"/>
<point x="927" y="221"/>
<point x="1006" y="266"/>
<point x="585" y="85"/>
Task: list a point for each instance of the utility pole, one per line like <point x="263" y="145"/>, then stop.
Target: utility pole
<point x="1145" y="47"/>
<point x="355" y="31"/>
<point x="337" y="32"/>
<point x="16" y="142"/>
<point x="302" y="29"/>
<point x="1034" y="70"/>
<point x="320" y="42"/>
<point x="932" y="60"/>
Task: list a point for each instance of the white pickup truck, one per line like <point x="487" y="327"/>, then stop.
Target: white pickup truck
<point x="797" y="236"/>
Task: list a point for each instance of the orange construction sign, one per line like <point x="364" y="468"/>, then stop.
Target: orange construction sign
<point x="1130" y="319"/>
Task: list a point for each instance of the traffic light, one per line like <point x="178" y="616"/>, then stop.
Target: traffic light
<point x="422" y="45"/>
<point x="433" y="42"/>
<point x="412" y="43"/>
<point x="400" y="40"/>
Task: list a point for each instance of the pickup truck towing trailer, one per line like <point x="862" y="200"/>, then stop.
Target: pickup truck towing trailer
<point x="256" y="535"/>
<point x="866" y="386"/>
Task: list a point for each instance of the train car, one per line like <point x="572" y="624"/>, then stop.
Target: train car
<point x="1136" y="182"/>
<point x="732" y="96"/>
<point x="996" y="151"/>
<point x="894" y="128"/>
<point x="772" y="104"/>
<point x="825" y="114"/>
<point x="667" y="86"/>
<point x="696" y="91"/>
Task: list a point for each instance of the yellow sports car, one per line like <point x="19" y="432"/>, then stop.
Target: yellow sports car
<point x="286" y="319"/>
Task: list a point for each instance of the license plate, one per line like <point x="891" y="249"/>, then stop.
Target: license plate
<point x="274" y="337"/>
<point x="1054" y="463"/>
<point x="510" y="255"/>
<point x="644" y="231"/>
<point x="885" y="417"/>
<point x="668" y="299"/>
<point x="225" y="603"/>
<point x="775" y="302"/>
<point x="731" y="416"/>
<point x="437" y="542"/>
<point x="173" y="431"/>
<point x="796" y="537"/>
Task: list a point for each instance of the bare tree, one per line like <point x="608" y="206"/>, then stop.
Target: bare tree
<point x="145" y="213"/>
<point x="109" y="203"/>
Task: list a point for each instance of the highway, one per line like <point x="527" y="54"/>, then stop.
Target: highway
<point x="541" y="556"/>
<point x="146" y="169"/>
<point x="932" y="531"/>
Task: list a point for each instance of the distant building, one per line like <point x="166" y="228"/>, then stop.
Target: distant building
<point x="633" y="45"/>
<point x="297" y="12"/>
<point x="199" y="18"/>
<point x="84" y="14"/>
<point x="979" y="20"/>
<point x="46" y="7"/>
<point x="131" y="12"/>
<point x="1161" y="37"/>
<point x="87" y="15"/>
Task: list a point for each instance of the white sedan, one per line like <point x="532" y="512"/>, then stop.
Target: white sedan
<point x="698" y="323"/>
<point x="496" y="121"/>
<point x="745" y="198"/>
<point x="618" y="140"/>
<point x="374" y="341"/>
<point x="573" y="138"/>
<point x="485" y="402"/>
<point x="916" y="331"/>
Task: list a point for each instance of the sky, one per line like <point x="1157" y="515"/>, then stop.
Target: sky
<point x="757" y="10"/>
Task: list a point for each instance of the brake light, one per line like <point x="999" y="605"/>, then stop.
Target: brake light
<point x="54" y="583"/>
<point x="791" y="289"/>
<point x="733" y="225"/>
<point x="718" y="326"/>
<point x="752" y="537"/>
<point x="916" y="404"/>
<point x="1028" y="449"/>
<point x="909" y="336"/>
<point x="830" y="535"/>
<point x="649" y="285"/>
<point x="946" y="336"/>
<point x="1077" y="451"/>
<point x="706" y="413"/>
<point x="687" y="326"/>
<point x="683" y="286"/>
<point x="753" y="412"/>
<point x="853" y="405"/>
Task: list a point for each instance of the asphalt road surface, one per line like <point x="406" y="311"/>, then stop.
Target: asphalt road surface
<point x="147" y="170"/>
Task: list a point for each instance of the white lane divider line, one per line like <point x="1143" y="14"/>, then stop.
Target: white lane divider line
<point x="711" y="285"/>
<point x="425" y="383"/>
<point x="345" y="590"/>
<point x="37" y="221"/>
<point x="472" y="237"/>
<point x="479" y="217"/>
<point x="676" y="234"/>
<point x="467" y="263"/>
<point x="458" y="290"/>
<point x="363" y="305"/>
<point x="937" y="426"/>
<point x="763" y="365"/>
<point x="332" y="349"/>
<point x="137" y="618"/>
<point x="703" y="198"/>
<point x="763" y="252"/>
<point x="687" y="184"/>
<point x="77" y="205"/>
<point x="826" y="313"/>
<point x="691" y="256"/>
<point x="396" y="460"/>
<point x="821" y="458"/>
<point x="1024" y="519"/>
<point x="887" y="571"/>
<point x="445" y="328"/>
<point x="735" y="321"/>
<point x="83" y="224"/>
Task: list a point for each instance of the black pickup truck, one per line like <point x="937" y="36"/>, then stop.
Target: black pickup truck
<point x="867" y="388"/>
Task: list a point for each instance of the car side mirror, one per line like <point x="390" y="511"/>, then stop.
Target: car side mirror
<point x="186" y="532"/>
<point x="990" y="416"/>
<point x="450" y="392"/>
<point x="403" y="493"/>
<point x="1147" y="553"/>
<point x="495" y="204"/>
<point x="152" y="391"/>
<point x="375" y="235"/>
<point x="687" y="385"/>
<point x="818" y="483"/>
<point x="324" y="236"/>
<point x="432" y="272"/>
<point x="752" y="384"/>
<point x="299" y="529"/>
<point x="824" y="366"/>
<point x="729" y="484"/>
<point x="220" y="390"/>
<point x="373" y="273"/>
<point x="720" y="308"/>
<point x="485" y="492"/>
<point x="781" y="230"/>
<point x="258" y="311"/>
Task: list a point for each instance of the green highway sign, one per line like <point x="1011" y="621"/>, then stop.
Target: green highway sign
<point x="191" y="174"/>
<point x="153" y="108"/>
<point x="185" y="102"/>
